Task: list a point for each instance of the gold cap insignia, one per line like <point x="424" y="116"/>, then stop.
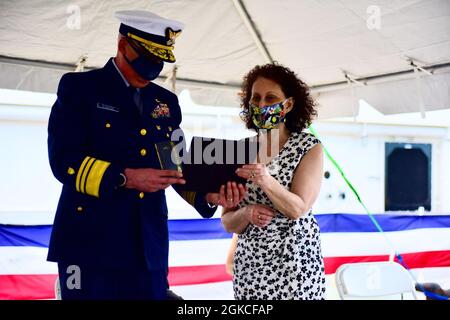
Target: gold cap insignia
<point x="172" y="35"/>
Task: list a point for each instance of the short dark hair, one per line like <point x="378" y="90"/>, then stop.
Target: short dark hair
<point x="304" y="108"/>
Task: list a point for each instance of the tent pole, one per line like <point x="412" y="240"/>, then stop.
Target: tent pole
<point x="380" y="78"/>
<point x="419" y="92"/>
<point x="81" y="63"/>
<point x="384" y="77"/>
<point x="354" y="101"/>
<point x="174" y="78"/>
<point x="417" y="70"/>
<point x="351" y="81"/>
<point x="243" y="13"/>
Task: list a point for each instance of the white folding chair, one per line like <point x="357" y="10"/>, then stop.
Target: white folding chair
<point x="374" y="280"/>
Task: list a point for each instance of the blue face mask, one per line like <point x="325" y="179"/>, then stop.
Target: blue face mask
<point x="146" y="68"/>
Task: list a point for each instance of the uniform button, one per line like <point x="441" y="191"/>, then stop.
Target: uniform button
<point x="170" y="129"/>
<point x="108" y="125"/>
<point x="80" y="209"/>
<point x="70" y="171"/>
<point x="158" y="127"/>
<point x="143" y="132"/>
<point x="141" y="195"/>
<point x="167" y="135"/>
<point x="143" y="152"/>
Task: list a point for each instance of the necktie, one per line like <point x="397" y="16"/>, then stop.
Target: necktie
<point x="137" y="98"/>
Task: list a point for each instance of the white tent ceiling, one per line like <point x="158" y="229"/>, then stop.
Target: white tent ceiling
<point x="321" y="40"/>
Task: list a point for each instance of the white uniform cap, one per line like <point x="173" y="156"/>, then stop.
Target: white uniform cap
<point x="154" y="33"/>
<point x="148" y="22"/>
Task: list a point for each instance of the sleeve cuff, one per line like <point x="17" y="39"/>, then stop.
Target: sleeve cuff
<point x="202" y="206"/>
<point x="96" y="177"/>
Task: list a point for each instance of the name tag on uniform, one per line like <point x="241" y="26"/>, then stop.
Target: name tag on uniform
<point x="107" y="107"/>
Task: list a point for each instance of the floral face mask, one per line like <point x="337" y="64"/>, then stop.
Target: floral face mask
<point x="268" y="117"/>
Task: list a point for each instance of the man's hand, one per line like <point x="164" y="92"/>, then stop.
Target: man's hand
<point x="151" y="180"/>
<point x="229" y="196"/>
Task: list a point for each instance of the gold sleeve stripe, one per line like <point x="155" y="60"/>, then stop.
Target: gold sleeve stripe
<point x="95" y="176"/>
<point x="84" y="175"/>
<point x="80" y="172"/>
<point x="193" y="198"/>
<point x="189" y="196"/>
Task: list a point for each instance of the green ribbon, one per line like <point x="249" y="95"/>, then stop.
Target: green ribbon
<point x="338" y="167"/>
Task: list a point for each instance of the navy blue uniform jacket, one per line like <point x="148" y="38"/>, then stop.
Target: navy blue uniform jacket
<point x="95" y="131"/>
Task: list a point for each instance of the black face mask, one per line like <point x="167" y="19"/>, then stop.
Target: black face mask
<point x="146" y="68"/>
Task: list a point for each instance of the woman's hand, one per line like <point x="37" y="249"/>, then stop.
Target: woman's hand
<point x="229" y="196"/>
<point x="257" y="173"/>
<point x="259" y="215"/>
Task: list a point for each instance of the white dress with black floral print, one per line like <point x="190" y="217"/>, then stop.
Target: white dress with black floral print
<point x="282" y="260"/>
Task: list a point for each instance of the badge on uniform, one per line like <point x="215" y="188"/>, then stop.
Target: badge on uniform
<point x="107" y="107"/>
<point x="161" y="110"/>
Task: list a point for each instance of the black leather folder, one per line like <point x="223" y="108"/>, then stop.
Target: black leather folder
<point x="209" y="163"/>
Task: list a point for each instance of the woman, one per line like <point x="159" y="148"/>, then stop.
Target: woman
<point x="278" y="254"/>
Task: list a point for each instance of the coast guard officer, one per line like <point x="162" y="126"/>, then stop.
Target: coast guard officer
<point x="110" y="235"/>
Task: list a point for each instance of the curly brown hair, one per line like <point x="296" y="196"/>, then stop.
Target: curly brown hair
<point x="304" y="109"/>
